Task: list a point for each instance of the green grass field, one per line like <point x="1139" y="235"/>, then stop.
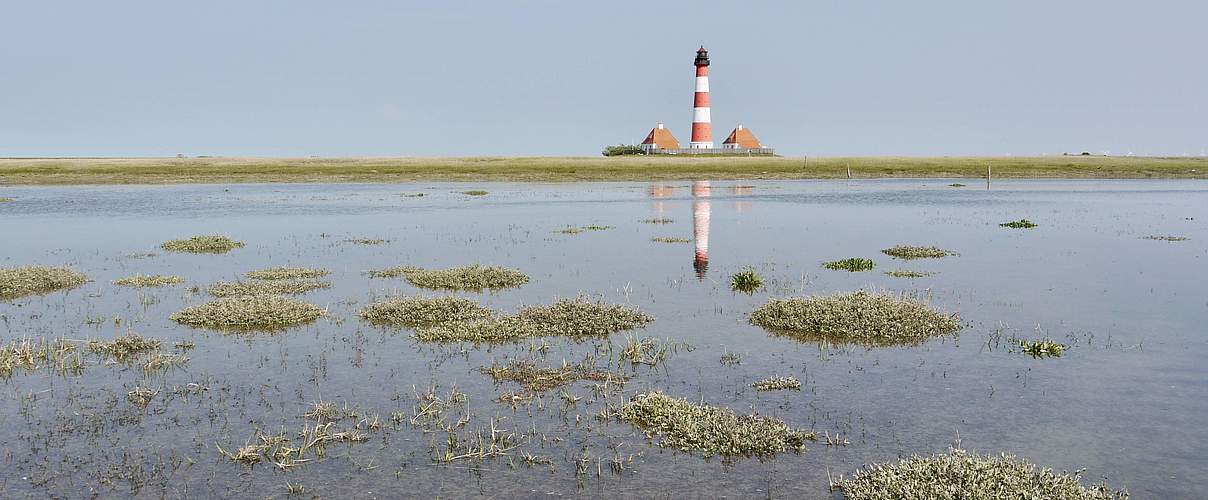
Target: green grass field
<point x="48" y="171"/>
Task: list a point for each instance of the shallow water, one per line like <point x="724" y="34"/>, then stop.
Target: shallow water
<point x="1126" y="402"/>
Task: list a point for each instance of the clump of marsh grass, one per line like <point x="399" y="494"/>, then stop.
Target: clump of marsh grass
<point x="958" y="474"/>
<point x="1043" y="348"/>
<point x="1019" y="224"/>
<point x="853" y="264"/>
<point x="861" y="317"/>
<point x="202" y="244"/>
<point x="578" y="318"/>
<point x="597" y="228"/>
<point x="956" y="185"/>
<point x="125" y="347"/>
<point x="249" y="312"/>
<point x="537" y="379"/>
<point x="17" y="282"/>
<point x="420" y="311"/>
<point x="30" y="355"/>
<point x="4" y="199"/>
<point x="473" y="278"/>
<point x="711" y="430"/>
<point x="731" y="358"/>
<point x="649" y="350"/>
<point x="141" y="396"/>
<point x="276" y="287"/>
<point x="366" y="241"/>
<point x="746" y="281"/>
<point x="147" y="281"/>
<point x="660" y="220"/>
<point x="777" y="384"/>
<point x="903" y="273"/>
<point x="568" y="230"/>
<point x="1165" y="238"/>
<point x="475" y="192"/>
<point x="909" y="252"/>
<point x="287" y="273"/>
<point x="670" y="239"/>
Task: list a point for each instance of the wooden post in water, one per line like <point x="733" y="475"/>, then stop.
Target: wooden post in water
<point x="987" y="176"/>
<point x="849" y="171"/>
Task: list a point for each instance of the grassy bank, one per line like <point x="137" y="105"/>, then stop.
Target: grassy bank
<point x="552" y="169"/>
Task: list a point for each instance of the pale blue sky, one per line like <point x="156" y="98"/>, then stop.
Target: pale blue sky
<point x="454" y="78"/>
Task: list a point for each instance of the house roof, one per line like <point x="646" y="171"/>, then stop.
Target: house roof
<point x="661" y="138"/>
<point x="743" y="138"/>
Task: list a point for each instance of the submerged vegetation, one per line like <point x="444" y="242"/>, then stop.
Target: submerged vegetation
<point x="366" y="241"/>
<point x="537" y="379"/>
<point x="202" y="244"/>
<point x="670" y="239"/>
<point x="1165" y="238"/>
<point x="904" y="273"/>
<point x="649" y="350"/>
<point x="1019" y="224"/>
<point x="17" y="282"/>
<point x="249" y="312"/>
<point x="153" y="280"/>
<point x="473" y="278"/>
<point x="658" y="220"/>
<point x="287" y="273"/>
<point x="746" y="281"/>
<point x="960" y="475"/>
<point x="908" y="252"/>
<point x="861" y="317"/>
<point x="276" y="287"/>
<point x="711" y="430"/>
<point x="420" y="311"/>
<point x="853" y="264"/>
<point x="777" y="384"/>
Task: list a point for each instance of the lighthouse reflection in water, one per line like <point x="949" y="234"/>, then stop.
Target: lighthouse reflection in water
<point x="700" y="219"/>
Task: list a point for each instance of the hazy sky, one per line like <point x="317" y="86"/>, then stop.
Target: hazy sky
<point x="563" y="77"/>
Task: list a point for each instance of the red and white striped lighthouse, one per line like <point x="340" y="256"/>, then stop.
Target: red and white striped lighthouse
<point x="702" y="133"/>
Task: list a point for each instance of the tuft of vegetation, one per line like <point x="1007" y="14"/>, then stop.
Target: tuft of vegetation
<point x="568" y="230"/>
<point x="287" y="273"/>
<point x="475" y="192"/>
<point x="1019" y="224"/>
<point x="281" y="287"/>
<point x="17" y="282"/>
<point x="746" y="281"/>
<point x="30" y="355"/>
<point x="709" y="429"/>
<point x="366" y="241"/>
<point x="124" y="348"/>
<point x="960" y="475"/>
<point x="1043" y="348"/>
<point x="853" y="264"/>
<point x="731" y="358"/>
<point x="649" y="350"/>
<point x="858" y="317"/>
<point x="777" y="384"/>
<point x="660" y="220"/>
<point x="153" y="280"/>
<point x="1165" y="238"/>
<point x="579" y="318"/>
<point x="536" y="379"/>
<point x="956" y="185"/>
<point x="202" y="244"/>
<point x="623" y="150"/>
<point x="472" y="278"/>
<point x="420" y="311"/>
<point x="908" y="252"/>
<point x="141" y="396"/>
<point x="670" y="239"/>
<point x="7" y="200"/>
<point x="903" y="273"/>
<point x="249" y="312"/>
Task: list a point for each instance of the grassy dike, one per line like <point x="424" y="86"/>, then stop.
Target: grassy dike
<point x="51" y="171"/>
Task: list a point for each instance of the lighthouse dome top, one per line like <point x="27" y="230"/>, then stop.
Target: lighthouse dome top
<point x="702" y="56"/>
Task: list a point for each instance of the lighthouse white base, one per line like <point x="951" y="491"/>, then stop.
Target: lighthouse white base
<point x="700" y="145"/>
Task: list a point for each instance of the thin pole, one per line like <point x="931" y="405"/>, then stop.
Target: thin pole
<point x="849" y="171"/>
<point x="987" y="176"/>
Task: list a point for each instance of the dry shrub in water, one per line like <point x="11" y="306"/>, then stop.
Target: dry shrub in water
<point x="202" y="244"/>
<point x="474" y="278"/>
<point x="709" y="429"/>
<point x="154" y="280"/>
<point x="420" y="311"/>
<point x="908" y="252"/>
<point x="279" y="287"/>
<point x="287" y="273"/>
<point x="31" y="355"/>
<point x="17" y="282"/>
<point x="249" y="312"/>
<point x="960" y="475"/>
<point x="861" y="317"/>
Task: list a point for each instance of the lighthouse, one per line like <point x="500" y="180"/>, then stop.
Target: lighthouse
<point x="702" y="134"/>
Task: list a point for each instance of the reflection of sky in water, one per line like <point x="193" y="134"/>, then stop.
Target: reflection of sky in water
<point x="1126" y="402"/>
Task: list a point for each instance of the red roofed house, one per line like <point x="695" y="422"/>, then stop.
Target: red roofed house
<point x="659" y="138"/>
<point x="741" y="138"/>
